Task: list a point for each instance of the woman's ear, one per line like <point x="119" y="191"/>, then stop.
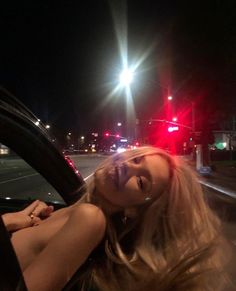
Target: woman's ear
<point x="131" y="212"/>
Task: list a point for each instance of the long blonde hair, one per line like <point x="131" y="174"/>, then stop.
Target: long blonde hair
<point x="174" y="243"/>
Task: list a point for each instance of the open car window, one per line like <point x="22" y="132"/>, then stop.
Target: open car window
<point x="31" y="167"/>
<point x="18" y="180"/>
<point x="21" y="134"/>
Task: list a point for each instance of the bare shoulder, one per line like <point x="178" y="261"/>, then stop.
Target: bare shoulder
<point x="88" y="211"/>
<point x="90" y="216"/>
<point x="68" y="249"/>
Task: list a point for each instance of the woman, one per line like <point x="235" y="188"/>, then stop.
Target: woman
<point x="145" y="212"/>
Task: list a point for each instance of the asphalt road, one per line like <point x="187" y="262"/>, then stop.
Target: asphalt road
<point x="19" y="180"/>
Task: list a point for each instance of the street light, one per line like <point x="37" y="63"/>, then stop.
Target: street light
<point x="37" y="122"/>
<point x="126" y="77"/>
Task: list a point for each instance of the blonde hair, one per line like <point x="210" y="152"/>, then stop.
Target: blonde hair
<point x="174" y="243"/>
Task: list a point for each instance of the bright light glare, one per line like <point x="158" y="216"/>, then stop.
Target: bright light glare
<point x="121" y="150"/>
<point x="126" y="77"/>
<point x="170" y="98"/>
<point x="173" y="128"/>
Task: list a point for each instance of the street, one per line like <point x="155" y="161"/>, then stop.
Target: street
<point x="19" y="180"/>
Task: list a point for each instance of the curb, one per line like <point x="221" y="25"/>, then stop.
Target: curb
<point x="221" y="190"/>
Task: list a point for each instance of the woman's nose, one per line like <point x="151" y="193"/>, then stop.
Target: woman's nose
<point x="131" y="168"/>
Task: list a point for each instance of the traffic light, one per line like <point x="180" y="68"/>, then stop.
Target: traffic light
<point x="173" y="128"/>
<point x="106" y="134"/>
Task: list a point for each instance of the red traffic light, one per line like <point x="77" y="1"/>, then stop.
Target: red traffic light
<point x="173" y="128"/>
<point x="106" y="134"/>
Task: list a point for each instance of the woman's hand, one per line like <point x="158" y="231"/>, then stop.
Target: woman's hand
<point x="27" y="217"/>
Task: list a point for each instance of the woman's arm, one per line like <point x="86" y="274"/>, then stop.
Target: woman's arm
<point x="27" y="217"/>
<point x="67" y="250"/>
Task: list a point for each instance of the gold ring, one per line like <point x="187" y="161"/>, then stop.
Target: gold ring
<point x="31" y="216"/>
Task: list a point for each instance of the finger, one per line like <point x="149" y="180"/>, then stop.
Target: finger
<point x="35" y="221"/>
<point x="29" y="209"/>
<point x="39" y="208"/>
<point x="47" y="211"/>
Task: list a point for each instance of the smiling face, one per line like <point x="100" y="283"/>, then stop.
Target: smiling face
<point x="129" y="183"/>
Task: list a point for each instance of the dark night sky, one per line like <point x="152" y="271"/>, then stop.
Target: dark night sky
<point x="62" y="59"/>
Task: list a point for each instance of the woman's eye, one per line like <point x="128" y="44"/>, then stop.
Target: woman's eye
<point x="137" y="160"/>
<point x="140" y="182"/>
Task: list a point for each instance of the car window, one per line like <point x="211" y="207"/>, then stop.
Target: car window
<point x="18" y="180"/>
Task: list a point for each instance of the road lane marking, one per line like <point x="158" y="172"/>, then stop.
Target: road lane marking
<point x="86" y="178"/>
<point x="15" y="179"/>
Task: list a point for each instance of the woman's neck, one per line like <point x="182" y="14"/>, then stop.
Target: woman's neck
<point x="108" y="207"/>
